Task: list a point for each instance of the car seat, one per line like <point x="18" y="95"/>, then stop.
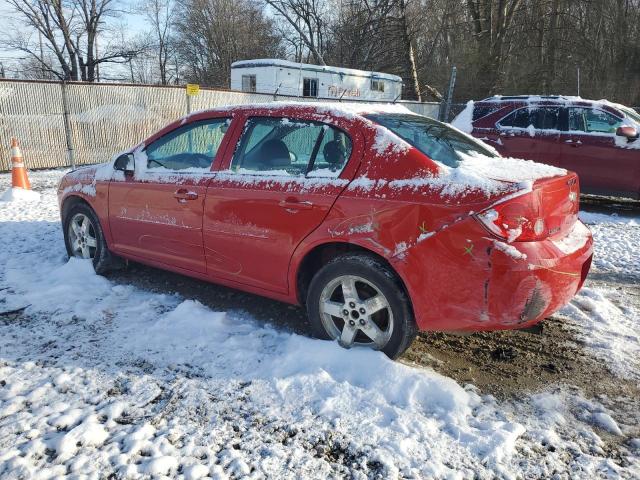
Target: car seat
<point x="274" y="153"/>
<point x="334" y="154"/>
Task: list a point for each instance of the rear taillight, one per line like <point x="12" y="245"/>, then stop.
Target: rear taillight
<point x="515" y="220"/>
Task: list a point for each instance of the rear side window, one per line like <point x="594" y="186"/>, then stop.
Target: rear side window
<point x="282" y="146"/>
<point x="482" y="111"/>
<point x="191" y="146"/>
<point x="542" y="118"/>
<point x="435" y="139"/>
<point x="592" y="121"/>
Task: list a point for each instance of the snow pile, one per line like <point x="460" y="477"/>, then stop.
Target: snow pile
<point x="609" y="330"/>
<point x="464" y="120"/>
<point x="307" y="381"/>
<point x="104" y="377"/>
<point x="617" y="252"/>
<point x="16" y="194"/>
<point x="602" y="318"/>
<point x="594" y="218"/>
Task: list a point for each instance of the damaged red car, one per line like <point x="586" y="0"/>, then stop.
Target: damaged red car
<point x="379" y="221"/>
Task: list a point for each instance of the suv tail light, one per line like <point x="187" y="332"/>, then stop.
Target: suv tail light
<point x="515" y="220"/>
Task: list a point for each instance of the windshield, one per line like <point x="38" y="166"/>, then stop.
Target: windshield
<point x="437" y="140"/>
<point x="631" y="113"/>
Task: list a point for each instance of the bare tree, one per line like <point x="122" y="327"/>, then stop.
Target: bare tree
<point x="161" y="16"/>
<point x="492" y="20"/>
<point x="307" y="19"/>
<point x="212" y="34"/>
<point x="69" y="30"/>
<point x="55" y="23"/>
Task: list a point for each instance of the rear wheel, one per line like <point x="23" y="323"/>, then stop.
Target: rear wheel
<point x="84" y="238"/>
<point x="358" y="300"/>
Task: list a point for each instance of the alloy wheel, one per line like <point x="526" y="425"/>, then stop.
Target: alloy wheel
<point x="82" y="236"/>
<point x="355" y="312"/>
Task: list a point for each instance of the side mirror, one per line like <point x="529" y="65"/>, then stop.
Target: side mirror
<point x="124" y="163"/>
<point x="630" y="133"/>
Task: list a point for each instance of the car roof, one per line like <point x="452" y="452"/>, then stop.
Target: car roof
<point x="334" y="109"/>
<point x="504" y="98"/>
<point x="552" y="100"/>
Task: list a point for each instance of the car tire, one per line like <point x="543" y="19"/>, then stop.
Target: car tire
<point x="379" y="315"/>
<point x="89" y="242"/>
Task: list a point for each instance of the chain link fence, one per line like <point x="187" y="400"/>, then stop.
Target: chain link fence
<point x="87" y="123"/>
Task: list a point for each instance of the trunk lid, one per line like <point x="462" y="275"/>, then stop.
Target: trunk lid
<point x="558" y="201"/>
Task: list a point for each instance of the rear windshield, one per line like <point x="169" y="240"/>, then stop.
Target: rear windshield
<point x="437" y="140"/>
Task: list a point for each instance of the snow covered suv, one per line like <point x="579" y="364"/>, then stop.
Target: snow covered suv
<point x="381" y="222"/>
<point x="596" y="139"/>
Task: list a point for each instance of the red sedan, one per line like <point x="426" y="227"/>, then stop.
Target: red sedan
<point x="381" y="222"/>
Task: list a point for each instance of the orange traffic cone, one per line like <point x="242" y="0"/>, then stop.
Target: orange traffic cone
<point x="19" y="177"/>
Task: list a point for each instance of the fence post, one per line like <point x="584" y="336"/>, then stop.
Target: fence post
<point x="67" y="126"/>
<point x="452" y="83"/>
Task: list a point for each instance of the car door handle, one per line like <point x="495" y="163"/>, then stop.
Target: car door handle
<point x="182" y="195"/>
<point x="292" y="205"/>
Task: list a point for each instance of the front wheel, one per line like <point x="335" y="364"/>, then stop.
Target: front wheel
<point x="84" y="238"/>
<point x="357" y="300"/>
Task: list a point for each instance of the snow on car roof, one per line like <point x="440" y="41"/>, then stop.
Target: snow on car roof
<point x="336" y="109"/>
<point x="554" y="98"/>
<point x="533" y="98"/>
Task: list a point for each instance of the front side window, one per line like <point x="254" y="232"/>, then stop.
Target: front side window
<point x="310" y="87"/>
<point x="437" y="140"/>
<point x="192" y="146"/>
<point x="248" y="83"/>
<point x="592" y="121"/>
<point x="542" y="118"/>
<point x="282" y="146"/>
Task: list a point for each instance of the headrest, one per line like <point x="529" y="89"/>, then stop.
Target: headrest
<point x="275" y="153"/>
<point x="334" y="153"/>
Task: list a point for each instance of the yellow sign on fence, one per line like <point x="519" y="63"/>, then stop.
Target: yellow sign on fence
<point x="193" y="89"/>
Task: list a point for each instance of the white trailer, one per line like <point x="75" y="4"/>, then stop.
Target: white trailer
<point x="305" y="80"/>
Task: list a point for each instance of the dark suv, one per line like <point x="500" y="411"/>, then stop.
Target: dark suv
<point x="596" y="139"/>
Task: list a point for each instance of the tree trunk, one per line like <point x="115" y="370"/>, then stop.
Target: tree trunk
<point x="410" y="70"/>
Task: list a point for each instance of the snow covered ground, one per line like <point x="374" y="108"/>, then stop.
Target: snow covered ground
<point x="100" y="378"/>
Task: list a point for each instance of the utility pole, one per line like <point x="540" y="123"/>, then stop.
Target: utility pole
<point x="578" y="80"/>
<point x="96" y="58"/>
<point x="67" y="126"/>
<point x="41" y="55"/>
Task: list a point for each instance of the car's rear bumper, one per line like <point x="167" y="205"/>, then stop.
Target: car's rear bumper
<point x="457" y="284"/>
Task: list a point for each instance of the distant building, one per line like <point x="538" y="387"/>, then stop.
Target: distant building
<point x="304" y="80"/>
